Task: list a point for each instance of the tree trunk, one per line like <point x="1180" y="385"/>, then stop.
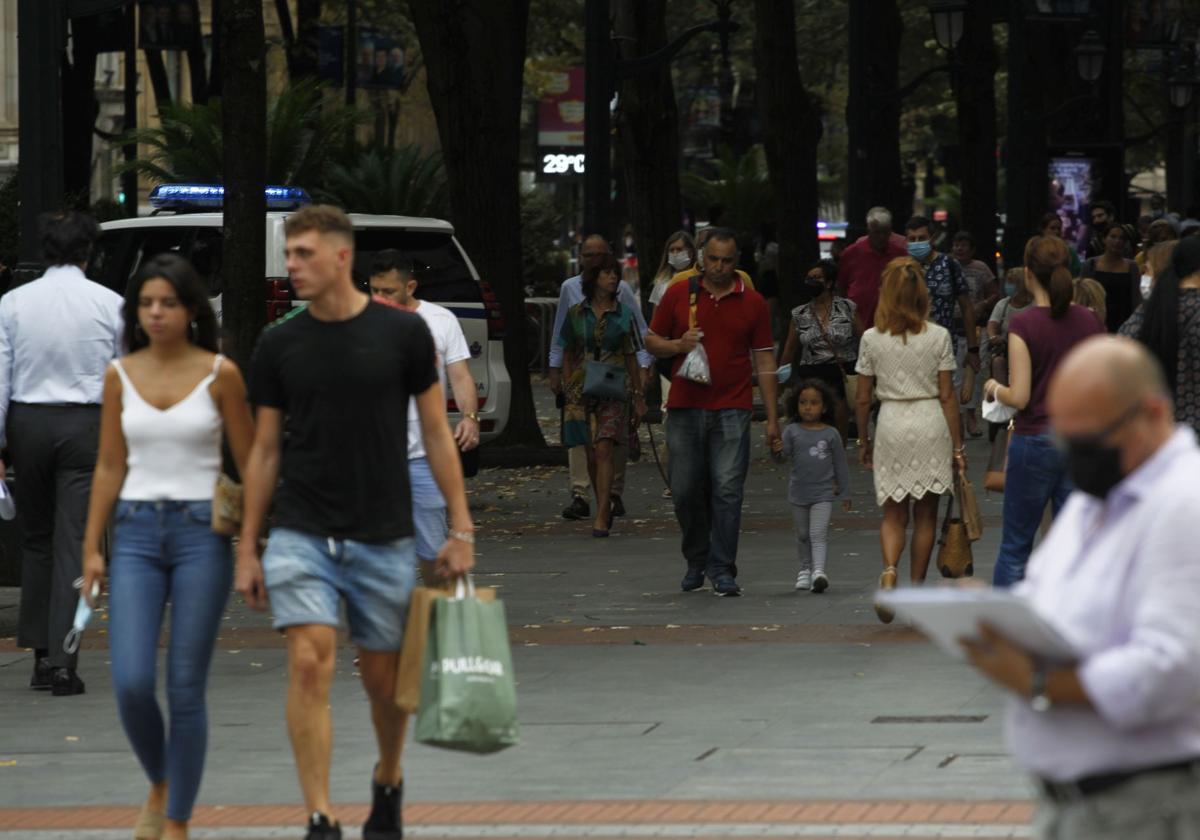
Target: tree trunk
<point x="80" y="110"/>
<point x="300" y="37"/>
<point x="648" y="136"/>
<point x="791" y="132"/>
<point x="474" y="54"/>
<point x="873" y="114"/>
<point x="976" y="105"/>
<point x="244" y="116"/>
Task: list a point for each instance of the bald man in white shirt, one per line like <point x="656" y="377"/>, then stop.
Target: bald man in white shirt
<point x="1113" y="739"/>
<point x="57" y="336"/>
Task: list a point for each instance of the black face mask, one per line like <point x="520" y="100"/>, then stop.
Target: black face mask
<point x="814" y="285"/>
<point x="1094" y="468"/>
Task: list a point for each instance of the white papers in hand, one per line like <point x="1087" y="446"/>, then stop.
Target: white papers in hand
<point x="8" y="509"/>
<point x="948" y="614"/>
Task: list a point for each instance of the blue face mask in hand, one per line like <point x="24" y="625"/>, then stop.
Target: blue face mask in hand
<point x="83" y="615"/>
<point x="919" y="250"/>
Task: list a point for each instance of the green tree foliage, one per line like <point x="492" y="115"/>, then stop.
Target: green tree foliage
<point x="402" y="182"/>
<point x="738" y="185"/>
<point x="304" y="135"/>
<point x="542" y="265"/>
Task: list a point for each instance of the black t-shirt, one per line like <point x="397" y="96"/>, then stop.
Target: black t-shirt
<point x="343" y="388"/>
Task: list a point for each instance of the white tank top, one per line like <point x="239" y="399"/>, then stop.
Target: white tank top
<point x="173" y="454"/>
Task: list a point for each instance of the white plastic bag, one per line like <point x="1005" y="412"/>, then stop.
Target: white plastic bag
<point x="695" y="366"/>
<point x="995" y="411"/>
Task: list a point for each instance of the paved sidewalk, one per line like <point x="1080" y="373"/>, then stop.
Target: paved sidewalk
<point x="646" y="712"/>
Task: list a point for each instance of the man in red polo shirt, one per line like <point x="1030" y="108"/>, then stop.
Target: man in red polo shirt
<point x="862" y="263"/>
<point x="709" y="429"/>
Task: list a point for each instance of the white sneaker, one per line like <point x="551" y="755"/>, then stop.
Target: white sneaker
<point x="804" y="580"/>
<point x="819" y="583"/>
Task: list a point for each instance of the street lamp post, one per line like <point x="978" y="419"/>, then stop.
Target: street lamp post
<point x="1183" y="135"/>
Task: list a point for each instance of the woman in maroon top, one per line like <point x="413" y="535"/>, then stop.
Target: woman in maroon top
<point x="1038" y="340"/>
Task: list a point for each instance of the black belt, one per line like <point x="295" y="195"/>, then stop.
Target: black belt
<point x="89" y="406"/>
<point x="1092" y="785"/>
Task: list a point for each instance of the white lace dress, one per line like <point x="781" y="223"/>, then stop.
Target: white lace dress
<point x="913" y="450"/>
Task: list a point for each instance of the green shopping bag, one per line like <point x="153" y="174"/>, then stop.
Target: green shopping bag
<point x="468" y="694"/>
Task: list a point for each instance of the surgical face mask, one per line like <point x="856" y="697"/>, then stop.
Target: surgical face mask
<point x="679" y="260"/>
<point x="1010" y="289"/>
<point x="83" y="615"/>
<point x="1146" y="285"/>
<point x="919" y="250"/>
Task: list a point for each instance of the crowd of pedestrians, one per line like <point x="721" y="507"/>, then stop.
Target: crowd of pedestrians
<point x="895" y="352"/>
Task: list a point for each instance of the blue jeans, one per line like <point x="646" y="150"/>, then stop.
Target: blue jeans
<point x="428" y="510"/>
<point x="710" y="454"/>
<point x="1036" y="476"/>
<point x="166" y="551"/>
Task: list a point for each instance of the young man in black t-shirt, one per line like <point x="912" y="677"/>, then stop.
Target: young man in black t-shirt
<point x="335" y="379"/>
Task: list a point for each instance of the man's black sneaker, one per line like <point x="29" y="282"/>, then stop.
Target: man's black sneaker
<point x="726" y="587"/>
<point x="43" y="674"/>
<point x="618" y="507"/>
<point x="385" y="821"/>
<point x="320" y="828"/>
<point x="693" y="580"/>
<point x="65" y="683"/>
<point x="578" y="509"/>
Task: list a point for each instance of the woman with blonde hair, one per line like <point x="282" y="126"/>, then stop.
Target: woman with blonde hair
<point x="1091" y="295"/>
<point x="907" y="362"/>
<point x="1038" y="340"/>
<point x="679" y="254"/>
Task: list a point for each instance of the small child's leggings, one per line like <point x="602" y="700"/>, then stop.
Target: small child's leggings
<point x="812" y="534"/>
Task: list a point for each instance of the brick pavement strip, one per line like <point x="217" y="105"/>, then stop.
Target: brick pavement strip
<point x="632" y="817"/>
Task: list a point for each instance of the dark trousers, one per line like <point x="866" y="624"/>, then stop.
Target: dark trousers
<point x="54" y="453"/>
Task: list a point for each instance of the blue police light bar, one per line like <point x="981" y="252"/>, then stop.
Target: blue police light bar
<point x="201" y="196"/>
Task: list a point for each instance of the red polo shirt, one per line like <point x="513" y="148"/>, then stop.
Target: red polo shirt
<point x="859" y="271"/>
<point x="733" y="326"/>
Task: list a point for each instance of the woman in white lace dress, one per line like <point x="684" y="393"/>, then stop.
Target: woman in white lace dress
<point x="907" y="363"/>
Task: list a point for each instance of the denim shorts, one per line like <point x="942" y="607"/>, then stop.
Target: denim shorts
<point x="428" y="510"/>
<point x="307" y="576"/>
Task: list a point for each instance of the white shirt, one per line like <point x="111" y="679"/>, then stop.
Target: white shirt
<point x="172" y="453"/>
<point x="57" y="336"/>
<point x="570" y="294"/>
<point x="1120" y="580"/>
<point x="451" y="346"/>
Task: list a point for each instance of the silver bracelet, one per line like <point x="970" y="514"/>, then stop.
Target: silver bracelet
<point x="467" y="537"/>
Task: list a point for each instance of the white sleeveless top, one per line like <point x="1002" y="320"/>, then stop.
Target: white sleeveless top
<point x="173" y="454"/>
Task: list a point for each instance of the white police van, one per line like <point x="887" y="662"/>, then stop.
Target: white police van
<point x="187" y="220"/>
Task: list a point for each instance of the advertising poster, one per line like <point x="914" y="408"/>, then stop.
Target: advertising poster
<point x="560" y="111"/>
<point x="1074" y="183"/>
<point x="378" y="59"/>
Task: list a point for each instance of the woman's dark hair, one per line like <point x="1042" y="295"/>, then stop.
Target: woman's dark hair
<point x="1160" y="322"/>
<point x="1117" y="226"/>
<point x="192" y="294"/>
<point x="67" y="237"/>
<point x="965" y="236"/>
<point x="1046" y="219"/>
<point x="592" y="273"/>
<point x="828" y="269"/>
<point x="1046" y="258"/>
<point x="828" y="400"/>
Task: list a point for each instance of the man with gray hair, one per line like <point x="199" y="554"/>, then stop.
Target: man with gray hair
<point x="862" y="263"/>
<point x="1113" y="737"/>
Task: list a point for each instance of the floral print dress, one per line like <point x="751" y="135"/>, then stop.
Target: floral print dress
<point x="588" y="419"/>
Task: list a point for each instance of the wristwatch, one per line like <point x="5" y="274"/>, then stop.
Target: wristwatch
<point x="1038" y="699"/>
<point x="471" y="415"/>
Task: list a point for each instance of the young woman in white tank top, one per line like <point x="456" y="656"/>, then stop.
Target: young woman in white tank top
<point x="167" y="405"/>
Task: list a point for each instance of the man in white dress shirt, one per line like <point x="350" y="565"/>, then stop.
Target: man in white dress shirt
<point x="592" y="252"/>
<point x="1113" y="738"/>
<point x="57" y="336"/>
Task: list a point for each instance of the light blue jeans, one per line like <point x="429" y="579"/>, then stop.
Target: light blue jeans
<point x="166" y="552"/>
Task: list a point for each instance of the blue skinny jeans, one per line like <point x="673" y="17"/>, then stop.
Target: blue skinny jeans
<point x="1036" y="476"/>
<point x="166" y="552"/>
